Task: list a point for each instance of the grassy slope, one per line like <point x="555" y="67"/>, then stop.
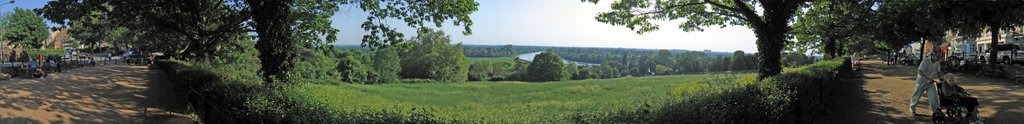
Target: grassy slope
<point x="503" y="101"/>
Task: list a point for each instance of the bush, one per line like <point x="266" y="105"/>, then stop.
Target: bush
<point x="798" y="95"/>
<point x="34" y="53"/>
<point x="221" y="95"/>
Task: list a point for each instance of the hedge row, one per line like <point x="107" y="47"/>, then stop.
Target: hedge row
<point x="34" y="54"/>
<point x="221" y="98"/>
<point x="795" y="96"/>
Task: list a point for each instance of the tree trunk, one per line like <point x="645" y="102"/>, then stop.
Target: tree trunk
<point x="840" y="51"/>
<point x="276" y="50"/>
<point x="771" y="35"/>
<point x="994" y="29"/>
<point x="830" y="48"/>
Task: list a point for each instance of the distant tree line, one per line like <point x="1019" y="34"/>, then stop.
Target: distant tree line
<point x="549" y="66"/>
<point x="428" y="57"/>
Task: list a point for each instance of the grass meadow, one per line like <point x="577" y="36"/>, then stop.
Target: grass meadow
<point x="508" y="101"/>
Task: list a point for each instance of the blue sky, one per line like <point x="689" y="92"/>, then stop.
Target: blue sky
<point x="546" y="23"/>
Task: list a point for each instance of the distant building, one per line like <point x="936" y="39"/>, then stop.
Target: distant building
<point x="1007" y="37"/>
<point x="57" y="38"/>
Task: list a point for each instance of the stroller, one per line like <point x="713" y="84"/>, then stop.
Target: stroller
<point x="956" y="106"/>
<point x="38" y="73"/>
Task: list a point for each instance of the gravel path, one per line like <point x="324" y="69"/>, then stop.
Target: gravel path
<point x="105" y="94"/>
<point x="885" y="90"/>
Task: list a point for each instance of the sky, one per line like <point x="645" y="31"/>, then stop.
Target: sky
<point x="562" y="23"/>
<point x="542" y="23"/>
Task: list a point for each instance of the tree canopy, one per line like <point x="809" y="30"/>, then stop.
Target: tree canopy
<point x="770" y="21"/>
<point x="25" y="29"/>
<point x="198" y="29"/>
<point x="547" y="66"/>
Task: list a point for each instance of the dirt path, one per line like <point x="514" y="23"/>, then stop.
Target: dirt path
<point x="105" y="94"/>
<point x="885" y="90"/>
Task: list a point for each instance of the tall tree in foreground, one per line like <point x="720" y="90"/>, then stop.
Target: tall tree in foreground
<point x="770" y="24"/>
<point x="25" y="29"/>
<point x="829" y="25"/>
<point x="277" y="51"/>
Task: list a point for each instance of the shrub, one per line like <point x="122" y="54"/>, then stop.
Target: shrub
<point x="34" y="53"/>
<point x="221" y="95"/>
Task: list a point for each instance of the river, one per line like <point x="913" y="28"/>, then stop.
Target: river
<point x="529" y="57"/>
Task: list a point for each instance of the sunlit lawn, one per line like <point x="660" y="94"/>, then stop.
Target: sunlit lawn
<point x="514" y="102"/>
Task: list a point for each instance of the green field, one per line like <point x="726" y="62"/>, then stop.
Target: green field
<point x="495" y="60"/>
<point x="508" y="102"/>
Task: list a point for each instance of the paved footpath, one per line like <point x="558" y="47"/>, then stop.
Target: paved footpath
<point x="104" y="94"/>
<point x="885" y="90"/>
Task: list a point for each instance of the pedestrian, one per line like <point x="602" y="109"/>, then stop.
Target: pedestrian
<point x="109" y="55"/>
<point x="53" y="65"/>
<point x="927" y="72"/>
<point x="32" y="65"/>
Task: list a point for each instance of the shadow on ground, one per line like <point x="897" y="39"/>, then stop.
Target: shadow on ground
<point x="106" y="94"/>
<point x="883" y="93"/>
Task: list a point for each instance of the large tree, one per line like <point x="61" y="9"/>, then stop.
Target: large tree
<point x="432" y="56"/>
<point x="972" y="17"/>
<point x="769" y="18"/>
<point x="25" y="29"/>
<point x="827" y="26"/>
<point x="198" y="28"/>
<point x="547" y="66"/>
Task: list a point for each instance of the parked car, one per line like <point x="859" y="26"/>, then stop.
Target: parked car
<point x="1008" y="54"/>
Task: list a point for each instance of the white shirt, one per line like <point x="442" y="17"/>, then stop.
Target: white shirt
<point x="928" y="67"/>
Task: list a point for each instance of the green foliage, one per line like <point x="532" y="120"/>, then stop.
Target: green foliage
<point x="770" y="23"/>
<point x="433" y="57"/>
<point x="313" y="64"/>
<point x="662" y="70"/>
<point x="386" y="64"/>
<point x="35" y="53"/>
<point x="24" y="29"/>
<point x="646" y="66"/>
<point x="547" y="66"/>
<point x="570" y="69"/>
<point x="522" y="68"/>
<point x="742" y="61"/>
<point x="351" y="67"/>
<point x="801" y="95"/>
<point x="693" y="62"/>
<point x="828" y="26"/>
<point x="796" y="59"/>
<point x="487" y="51"/>
<point x="416" y="14"/>
<point x="478" y="71"/>
<point x="665" y="57"/>
<point x="493" y="69"/>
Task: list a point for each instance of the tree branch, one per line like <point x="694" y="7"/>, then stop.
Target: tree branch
<point x="742" y="8"/>
<point x="669" y="7"/>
